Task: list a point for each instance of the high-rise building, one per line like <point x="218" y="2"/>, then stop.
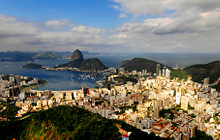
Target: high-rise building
<point x="85" y="91"/>
<point x="167" y="73"/>
<point x="17" y="80"/>
<point x="178" y="98"/>
<point x="156" y="108"/>
<point x="14" y="91"/>
<point x="184" y="102"/>
<point x="200" y="107"/>
<point x="163" y="72"/>
<point x="206" y="81"/>
<point x="158" y="69"/>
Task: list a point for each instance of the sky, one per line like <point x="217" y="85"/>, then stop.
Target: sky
<point x="161" y="26"/>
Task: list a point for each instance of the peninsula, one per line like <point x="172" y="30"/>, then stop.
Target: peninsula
<point x="78" y="63"/>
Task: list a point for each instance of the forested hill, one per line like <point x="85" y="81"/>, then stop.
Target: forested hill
<point x="140" y="64"/>
<point x="66" y="122"/>
<point x="201" y="71"/>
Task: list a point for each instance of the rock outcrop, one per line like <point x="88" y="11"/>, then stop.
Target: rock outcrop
<point x="88" y="65"/>
<point x="77" y="55"/>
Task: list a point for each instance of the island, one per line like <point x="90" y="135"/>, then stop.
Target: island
<point x="33" y="66"/>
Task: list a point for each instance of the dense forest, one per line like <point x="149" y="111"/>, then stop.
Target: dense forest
<point x="64" y="122"/>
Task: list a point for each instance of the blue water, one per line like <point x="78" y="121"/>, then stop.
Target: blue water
<point x="57" y="80"/>
<point x="67" y="80"/>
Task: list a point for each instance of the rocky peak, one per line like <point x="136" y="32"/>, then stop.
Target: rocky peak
<point x="77" y="55"/>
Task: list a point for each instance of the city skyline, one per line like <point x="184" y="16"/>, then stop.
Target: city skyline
<point x="110" y="25"/>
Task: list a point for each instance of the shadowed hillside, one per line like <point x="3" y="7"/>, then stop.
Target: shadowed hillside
<point x="140" y="63"/>
<point x="77" y="61"/>
<point x="201" y="71"/>
<point x="65" y="122"/>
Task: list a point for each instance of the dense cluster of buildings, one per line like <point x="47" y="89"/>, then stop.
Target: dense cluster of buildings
<point x="170" y="108"/>
<point x="11" y="86"/>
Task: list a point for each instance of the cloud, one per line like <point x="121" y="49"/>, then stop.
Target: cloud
<point x="116" y="7"/>
<point x="85" y="29"/>
<point x="12" y="27"/>
<point x="192" y="26"/>
<point x="141" y="7"/>
<point x="158" y="7"/>
<point x="189" y="16"/>
<point x="58" y="24"/>
<point x="122" y="15"/>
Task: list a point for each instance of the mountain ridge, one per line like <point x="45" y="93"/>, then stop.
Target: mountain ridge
<point x="77" y="61"/>
<point x="201" y="71"/>
<point x="140" y="64"/>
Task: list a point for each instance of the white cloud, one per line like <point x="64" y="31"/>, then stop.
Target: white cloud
<point x="122" y="15"/>
<point x="4" y="18"/>
<point x="85" y="29"/>
<point x="116" y="7"/>
<point x="142" y="7"/>
<point x="10" y="26"/>
<point x="157" y="7"/>
<point x="194" y="27"/>
<point x="190" y="16"/>
<point x="58" y="24"/>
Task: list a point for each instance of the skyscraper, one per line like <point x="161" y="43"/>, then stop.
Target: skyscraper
<point x="158" y="69"/>
<point x="206" y="81"/>
<point x="167" y="73"/>
<point x="184" y="102"/>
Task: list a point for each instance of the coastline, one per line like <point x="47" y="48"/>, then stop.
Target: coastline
<point x="66" y="69"/>
<point x="32" y="87"/>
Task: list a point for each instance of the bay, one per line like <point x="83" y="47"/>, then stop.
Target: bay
<point x="68" y="80"/>
<point x="57" y="80"/>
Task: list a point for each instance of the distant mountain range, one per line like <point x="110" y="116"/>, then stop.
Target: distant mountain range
<point x="77" y="61"/>
<point x="47" y="55"/>
<point x="15" y="56"/>
<point x="27" y="56"/>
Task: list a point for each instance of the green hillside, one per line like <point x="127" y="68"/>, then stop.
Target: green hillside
<point x="201" y="71"/>
<point x="140" y="64"/>
<point x="181" y="74"/>
<point x="66" y="122"/>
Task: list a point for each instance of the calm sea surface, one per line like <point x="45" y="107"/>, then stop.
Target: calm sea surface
<point x="61" y="80"/>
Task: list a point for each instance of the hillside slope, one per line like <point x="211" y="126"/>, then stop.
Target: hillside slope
<point x="77" y="61"/>
<point x="140" y="63"/>
<point x="201" y="71"/>
<point x="65" y="122"/>
<point x="61" y="122"/>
